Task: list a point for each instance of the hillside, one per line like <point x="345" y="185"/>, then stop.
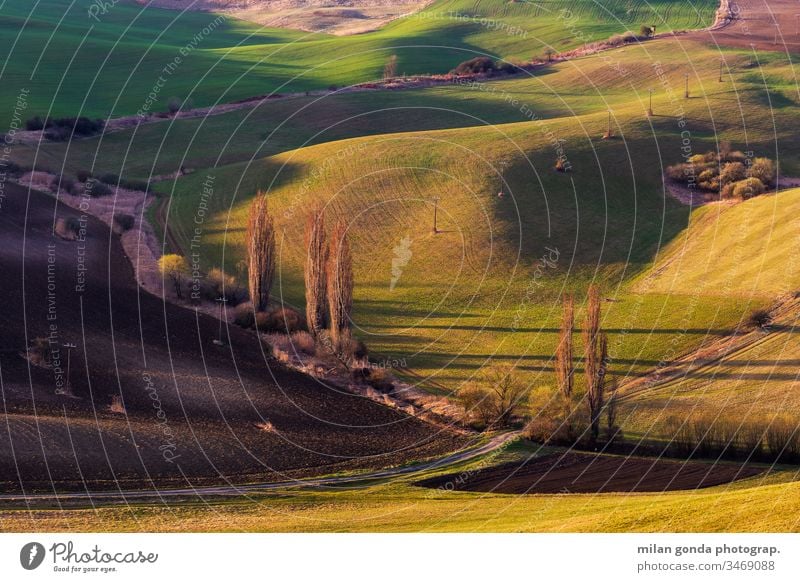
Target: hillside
<point x="151" y="398"/>
<point x="465" y="289"/>
<point x="110" y="64"/>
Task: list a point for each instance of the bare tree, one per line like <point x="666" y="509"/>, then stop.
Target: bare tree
<point x="565" y="369"/>
<point x="316" y="259"/>
<point x="612" y="430"/>
<point x="339" y="275"/>
<point x="508" y="392"/>
<point x="593" y="357"/>
<point x="596" y="393"/>
<point x="390" y="69"/>
<point x="260" y="252"/>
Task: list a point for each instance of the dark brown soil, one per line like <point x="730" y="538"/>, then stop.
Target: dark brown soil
<point x="192" y="408"/>
<point x="590" y="473"/>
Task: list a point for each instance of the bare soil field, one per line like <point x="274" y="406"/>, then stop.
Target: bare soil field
<point x="153" y="400"/>
<point x="772" y="25"/>
<point x="340" y="17"/>
<point x="591" y="473"/>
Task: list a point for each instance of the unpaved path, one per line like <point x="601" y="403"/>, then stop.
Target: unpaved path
<point x="497" y="442"/>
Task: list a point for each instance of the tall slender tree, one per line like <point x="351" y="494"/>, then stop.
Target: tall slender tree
<point x="260" y="252"/>
<point x="593" y="344"/>
<point x="565" y="369"/>
<point x="596" y="393"/>
<point x="339" y="275"/>
<point x="316" y="259"/>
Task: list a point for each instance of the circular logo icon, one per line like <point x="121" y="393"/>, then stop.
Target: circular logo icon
<point x="31" y="555"/>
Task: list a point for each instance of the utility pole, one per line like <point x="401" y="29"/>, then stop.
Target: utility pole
<point x="609" y="133"/>
<point x="68" y="384"/>
<point x="435" y="215"/>
<point x="686" y="91"/>
<point x="650" y="107"/>
<point x="222" y="301"/>
<point x="777" y="30"/>
<point x="721" y="64"/>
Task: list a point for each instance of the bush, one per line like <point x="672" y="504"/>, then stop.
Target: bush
<point x="244" y="316"/>
<point x="763" y="169"/>
<point x="759" y="319"/>
<point x="83" y="175"/>
<point x="62" y="182"/>
<point x="280" y="320"/>
<point x="39" y="353"/>
<point x="95" y="188"/>
<point x="476" y="65"/>
<point x="380" y="379"/>
<point x="14" y="170"/>
<point x="68" y="228"/>
<point x="732" y="172"/>
<point x="748" y="188"/>
<point x="123" y="223"/>
<point x="303" y="342"/>
<point x="63" y="128"/>
<point x="111" y="179"/>
<point x="217" y="284"/>
<point x="35" y="124"/>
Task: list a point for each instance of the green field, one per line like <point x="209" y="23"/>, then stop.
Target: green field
<point x="758" y="504"/>
<point x="487" y="288"/>
<point x="73" y="65"/>
<point x="476" y="292"/>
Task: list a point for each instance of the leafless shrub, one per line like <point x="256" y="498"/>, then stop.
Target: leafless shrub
<point x="495" y="399"/>
<point x="39" y="353"/>
<point x="303" y="342"/>
<point x="123" y="222"/>
<point x="68" y="228"/>
<point x="260" y="252"/>
<point x="117" y="406"/>
<point x="279" y="320"/>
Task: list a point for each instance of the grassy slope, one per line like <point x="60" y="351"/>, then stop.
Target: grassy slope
<point x="46" y="43"/>
<point x="750" y="248"/>
<point x="760" y="504"/>
<point x="464" y="290"/>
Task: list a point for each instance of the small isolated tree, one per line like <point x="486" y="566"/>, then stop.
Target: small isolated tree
<point x="494" y="398"/>
<point x="316" y="260"/>
<point x="390" y="69"/>
<point x="339" y="278"/>
<point x="549" y="54"/>
<point x="175" y="267"/>
<point x="647" y="31"/>
<point x="174" y="105"/>
<point x="508" y="390"/>
<point x="260" y="252"/>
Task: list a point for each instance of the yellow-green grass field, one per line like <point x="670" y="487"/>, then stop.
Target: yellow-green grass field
<point x="487" y="287"/>
<point x="766" y="503"/>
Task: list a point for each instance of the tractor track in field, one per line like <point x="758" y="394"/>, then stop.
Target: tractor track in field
<point x="496" y="443"/>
